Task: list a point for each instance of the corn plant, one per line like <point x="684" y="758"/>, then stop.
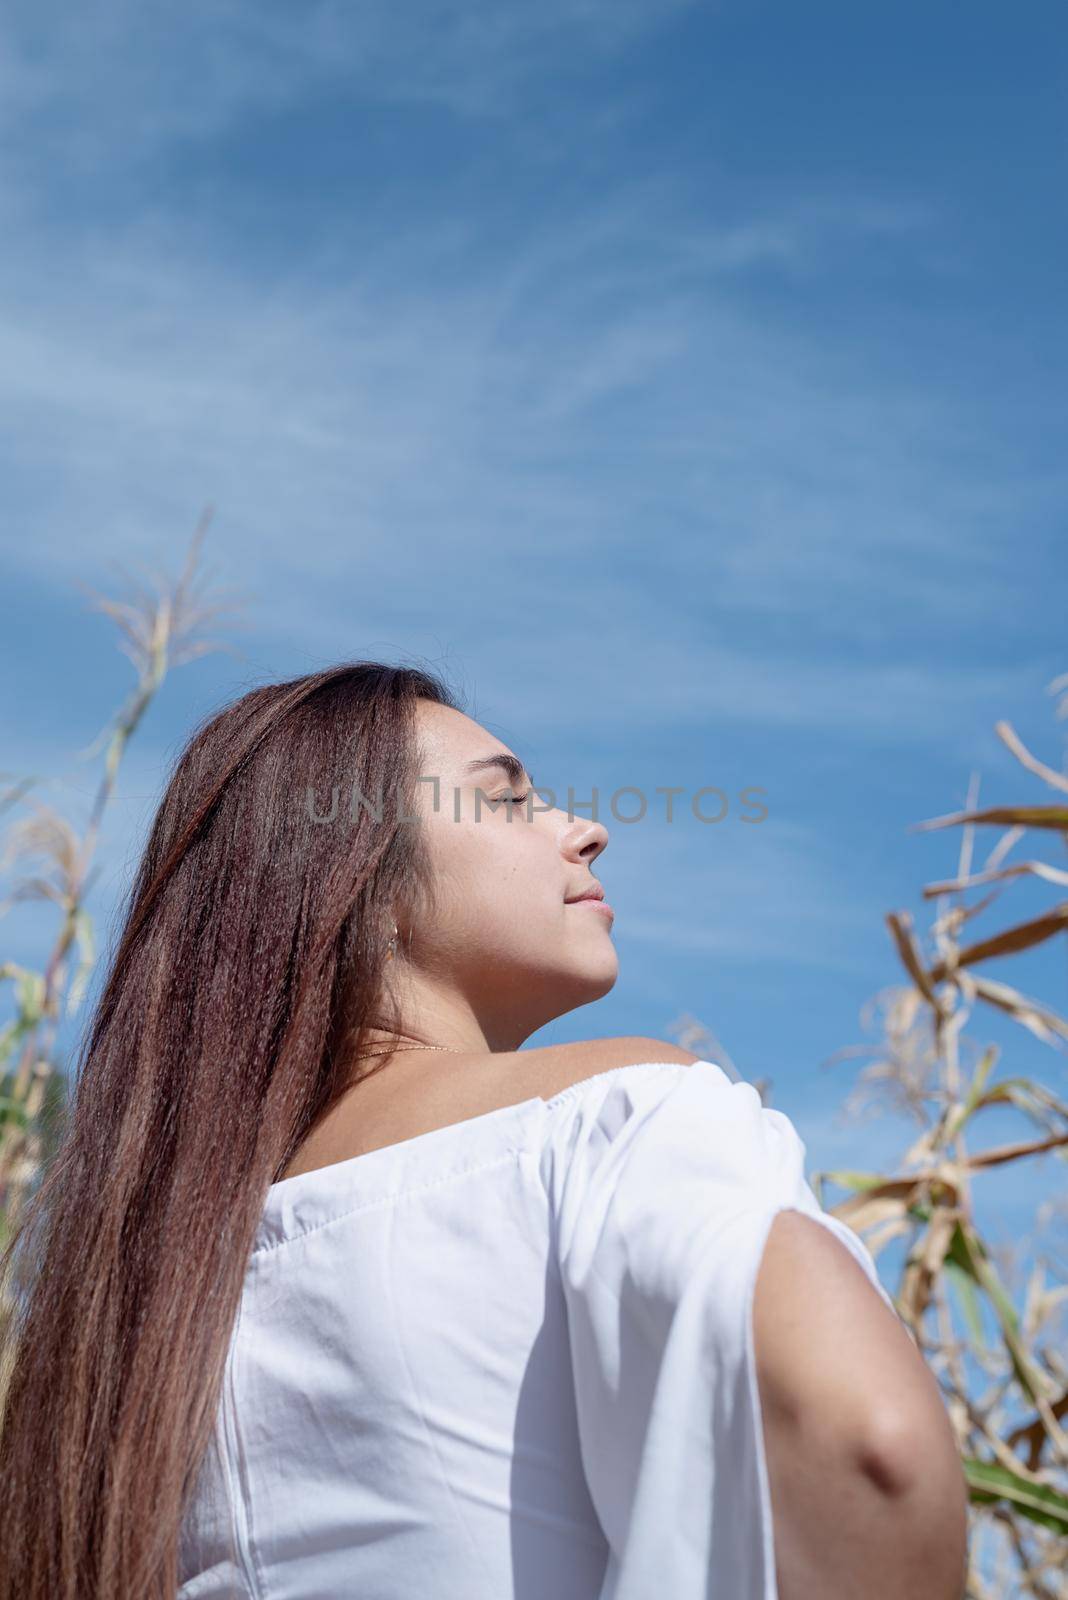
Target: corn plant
<point x="1006" y="1395"/>
<point x="158" y="629"/>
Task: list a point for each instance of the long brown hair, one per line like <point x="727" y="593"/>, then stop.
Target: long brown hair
<point x="248" y="969"/>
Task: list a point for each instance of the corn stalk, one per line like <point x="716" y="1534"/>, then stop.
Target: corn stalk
<point x="158" y="630"/>
<point x="1001" y="1365"/>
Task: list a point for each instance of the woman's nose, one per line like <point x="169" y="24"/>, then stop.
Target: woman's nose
<point x="584" y="839"/>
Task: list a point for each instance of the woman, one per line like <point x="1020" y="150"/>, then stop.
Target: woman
<point x="333" y="1290"/>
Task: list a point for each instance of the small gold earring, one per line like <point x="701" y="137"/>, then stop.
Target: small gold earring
<point x="391" y="948"/>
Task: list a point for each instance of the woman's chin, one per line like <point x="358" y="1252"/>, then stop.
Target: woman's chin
<point x="599" y="973"/>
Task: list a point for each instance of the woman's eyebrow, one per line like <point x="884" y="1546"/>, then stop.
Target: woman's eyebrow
<point x="511" y="764"/>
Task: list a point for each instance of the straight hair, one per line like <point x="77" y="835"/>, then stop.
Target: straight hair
<point x="247" y="975"/>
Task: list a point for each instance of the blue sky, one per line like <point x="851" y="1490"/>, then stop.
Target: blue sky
<point x="685" y="380"/>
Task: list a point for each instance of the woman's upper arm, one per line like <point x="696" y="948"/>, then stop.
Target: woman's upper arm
<point x="866" y="1484"/>
<point x="832" y="1360"/>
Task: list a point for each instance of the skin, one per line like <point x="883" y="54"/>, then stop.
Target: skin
<point x="867" y="1491"/>
<point x="500" y="954"/>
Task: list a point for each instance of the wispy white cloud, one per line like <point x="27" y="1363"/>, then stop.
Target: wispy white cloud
<point x="597" y="421"/>
<point x="406" y="432"/>
<point x="120" y="79"/>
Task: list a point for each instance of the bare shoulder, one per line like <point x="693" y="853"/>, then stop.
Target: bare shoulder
<point x="548" y="1069"/>
<point x="416" y="1096"/>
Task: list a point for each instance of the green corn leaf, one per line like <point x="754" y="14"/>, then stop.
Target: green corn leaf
<point x="989" y="1481"/>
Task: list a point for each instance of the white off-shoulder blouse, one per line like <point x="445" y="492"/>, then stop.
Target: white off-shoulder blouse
<point x="511" y="1359"/>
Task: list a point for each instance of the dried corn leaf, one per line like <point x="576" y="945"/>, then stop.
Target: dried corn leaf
<point x="1040" y="1020"/>
<point x="1011" y="940"/>
<point x="1002" y="816"/>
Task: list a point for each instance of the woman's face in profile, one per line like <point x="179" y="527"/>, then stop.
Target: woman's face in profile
<point x="501" y="928"/>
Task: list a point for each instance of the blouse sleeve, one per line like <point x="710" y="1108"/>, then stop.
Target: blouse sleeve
<point x="663" y="1181"/>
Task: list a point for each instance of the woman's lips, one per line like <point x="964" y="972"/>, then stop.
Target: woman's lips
<point x="598" y="905"/>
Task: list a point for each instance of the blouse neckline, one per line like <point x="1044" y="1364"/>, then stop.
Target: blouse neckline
<point x="385" y="1157"/>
